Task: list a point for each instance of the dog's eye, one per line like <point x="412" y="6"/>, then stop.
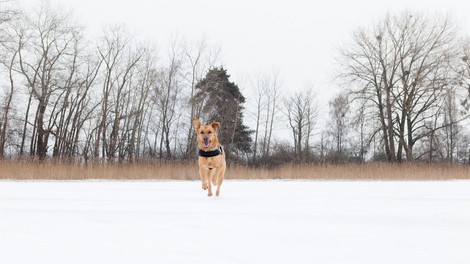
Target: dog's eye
<point x="210" y="132"/>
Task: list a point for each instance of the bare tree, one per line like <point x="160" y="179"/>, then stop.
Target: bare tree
<point x="85" y="108"/>
<point x="146" y="80"/>
<point x="10" y="44"/>
<point x="77" y="106"/>
<point x="120" y="60"/>
<point x="266" y="95"/>
<point x="362" y="125"/>
<point x="301" y="112"/>
<point x="339" y="123"/>
<point x="42" y="63"/>
<point x="111" y="51"/>
<point x="451" y="126"/>
<point x="260" y="89"/>
<point x="7" y="12"/>
<point x="464" y="73"/>
<point x="272" y="99"/>
<point x="7" y="105"/>
<point x="167" y="93"/>
<point x="401" y="66"/>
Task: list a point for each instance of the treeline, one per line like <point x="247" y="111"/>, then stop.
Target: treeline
<point x="408" y="78"/>
<point x="116" y="99"/>
<point x="112" y="99"/>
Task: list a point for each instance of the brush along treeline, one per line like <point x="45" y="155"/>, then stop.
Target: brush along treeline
<point x="20" y="170"/>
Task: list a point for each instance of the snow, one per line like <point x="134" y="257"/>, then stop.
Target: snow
<point x="252" y="222"/>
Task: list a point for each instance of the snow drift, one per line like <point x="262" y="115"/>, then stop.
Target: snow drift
<point x="252" y="222"/>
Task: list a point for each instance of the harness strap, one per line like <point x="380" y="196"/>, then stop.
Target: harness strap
<point x="210" y="154"/>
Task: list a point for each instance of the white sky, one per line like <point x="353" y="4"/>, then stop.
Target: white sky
<point x="298" y="39"/>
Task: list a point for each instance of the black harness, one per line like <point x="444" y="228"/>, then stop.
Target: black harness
<point x="210" y="154"/>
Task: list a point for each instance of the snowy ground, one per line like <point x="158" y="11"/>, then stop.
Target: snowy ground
<point x="252" y="222"/>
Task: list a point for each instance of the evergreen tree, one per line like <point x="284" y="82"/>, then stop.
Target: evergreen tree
<point x="221" y="100"/>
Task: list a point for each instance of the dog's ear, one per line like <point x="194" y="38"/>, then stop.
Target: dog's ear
<point x="196" y="123"/>
<point x="215" y="125"/>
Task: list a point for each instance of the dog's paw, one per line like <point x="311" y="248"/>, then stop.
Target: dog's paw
<point x="204" y="186"/>
<point x="209" y="194"/>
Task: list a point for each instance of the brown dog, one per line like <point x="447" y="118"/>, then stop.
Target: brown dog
<point x="211" y="156"/>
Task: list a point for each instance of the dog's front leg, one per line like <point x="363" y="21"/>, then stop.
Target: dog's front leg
<point x="203" y="178"/>
<point x="220" y="177"/>
<point x="208" y="182"/>
<point x="209" y="185"/>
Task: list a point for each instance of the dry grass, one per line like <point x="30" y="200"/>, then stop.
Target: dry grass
<point x="22" y="170"/>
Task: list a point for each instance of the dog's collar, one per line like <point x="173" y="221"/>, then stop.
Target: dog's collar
<point x="210" y="154"/>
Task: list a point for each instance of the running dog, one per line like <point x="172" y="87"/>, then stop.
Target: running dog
<point x="211" y="156"/>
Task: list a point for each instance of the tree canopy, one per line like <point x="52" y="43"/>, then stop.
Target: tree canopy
<point x="220" y="100"/>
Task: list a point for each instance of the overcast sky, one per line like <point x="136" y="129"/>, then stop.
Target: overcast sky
<point x="299" y="39"/>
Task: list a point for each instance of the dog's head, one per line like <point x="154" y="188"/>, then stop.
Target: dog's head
<point x="206" y="134"/>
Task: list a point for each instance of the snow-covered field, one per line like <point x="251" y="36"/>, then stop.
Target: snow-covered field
<point x="252" y="222"/>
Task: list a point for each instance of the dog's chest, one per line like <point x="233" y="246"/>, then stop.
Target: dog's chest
<point x="210" y="163"/>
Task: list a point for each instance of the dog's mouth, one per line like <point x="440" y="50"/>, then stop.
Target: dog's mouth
<point x="206" y="142"/>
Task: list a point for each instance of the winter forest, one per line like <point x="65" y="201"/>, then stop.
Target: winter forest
<point x="405" y="87"/>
